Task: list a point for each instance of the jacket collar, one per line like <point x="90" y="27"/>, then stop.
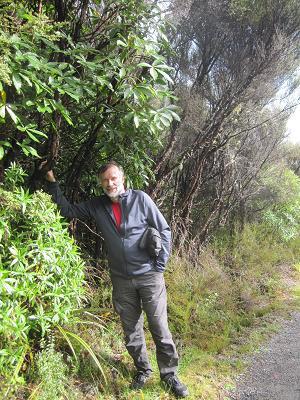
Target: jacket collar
<point x="125" y="194"/>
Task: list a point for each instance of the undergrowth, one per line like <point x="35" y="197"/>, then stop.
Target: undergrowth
<point x="220" y="308"/>
<point x="220" y="301"/>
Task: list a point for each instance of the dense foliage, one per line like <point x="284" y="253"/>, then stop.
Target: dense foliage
<point x="93" y="94"/>
<point x="41" y="272"/>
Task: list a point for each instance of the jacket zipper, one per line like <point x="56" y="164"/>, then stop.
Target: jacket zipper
<point x="123" y="222"/>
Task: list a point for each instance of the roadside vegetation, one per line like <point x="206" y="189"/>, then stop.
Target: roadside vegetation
<point x="186" y="98"/>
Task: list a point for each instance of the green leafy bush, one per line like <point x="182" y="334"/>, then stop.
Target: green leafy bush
<point x="115" y="85"/>
<point x="282" y="218"/>
<point x="41" y="272"/>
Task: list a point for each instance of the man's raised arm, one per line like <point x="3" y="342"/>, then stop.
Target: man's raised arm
<point x="81" y="210"/>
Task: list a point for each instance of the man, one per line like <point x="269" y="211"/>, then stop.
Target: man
<point x="123" y="216"/>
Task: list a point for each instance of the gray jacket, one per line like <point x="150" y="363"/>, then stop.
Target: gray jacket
<point x="125" y="258"/>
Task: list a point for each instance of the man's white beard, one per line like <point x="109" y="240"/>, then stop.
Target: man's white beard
<point x="116" y="193"/>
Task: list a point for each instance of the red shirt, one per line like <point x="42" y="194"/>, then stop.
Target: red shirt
<point x="117" y="213"/>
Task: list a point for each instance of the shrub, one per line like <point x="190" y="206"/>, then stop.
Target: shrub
<point x="52" y="375"/>
<point x="280" y="202"/>
<point x="41" y="272"/>
<point x="284" y="220"/>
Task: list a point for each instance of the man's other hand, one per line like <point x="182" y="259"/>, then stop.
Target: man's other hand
<point x="49" y="175"/>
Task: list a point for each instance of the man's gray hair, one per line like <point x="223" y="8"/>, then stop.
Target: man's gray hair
<point x="109" y="164"/>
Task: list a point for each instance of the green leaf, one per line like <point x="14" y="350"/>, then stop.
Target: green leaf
<point x="34" y="61"/>
<point x="9" y="289"/>
<point x="121" y="43"/>
<point x="157" y="61"/>
<point x="173" y="107"/>
<point x="43" y="109"/>
<point x="173" y="113"/>
<point x="168" y="115"/>
<point x="66" y="116"/>
<point x="165" y="121"/>
<point x="21" y="128"/>
<point x="165" y="75"/>
<point x="163" y="66"/>
<point x="163" y="36"/>
<point x="17" y="82"/>
<point x="143" y="64"/>
<point x="63" y="66"/>
<point x="136" y="121"/>
<point x="153" y="73"/>
<point x="1" y="152"/>
<point x="26" y="78"/>
<point x="12" y="114"/>
<point x="5" y="143"/>
<point x="37" y="132"/>
<point x="32" y="151"/>
<point x="122" y="72"/>
<point x="175" y="116"/>
<point x="51" y="80"/>
<point x="38" y="88"/>
<point x="34" y="138"/>
<point x="74" y="96"/>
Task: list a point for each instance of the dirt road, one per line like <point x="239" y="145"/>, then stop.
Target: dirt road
<point x="274" y="373"/>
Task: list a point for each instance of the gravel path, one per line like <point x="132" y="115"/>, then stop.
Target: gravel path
<point x="274" y="373"/>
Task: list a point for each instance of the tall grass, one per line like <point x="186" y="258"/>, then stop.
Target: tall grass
<point x="226" y="286"/>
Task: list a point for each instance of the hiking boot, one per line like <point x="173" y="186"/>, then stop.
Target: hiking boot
<point x="174" y="385"/>
<point x="139" y="380"/>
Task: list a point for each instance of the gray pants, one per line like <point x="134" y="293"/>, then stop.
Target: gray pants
<point x="145" y="292"/>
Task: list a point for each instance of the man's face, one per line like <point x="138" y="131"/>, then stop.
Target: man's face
<point x="112" y="182"/>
